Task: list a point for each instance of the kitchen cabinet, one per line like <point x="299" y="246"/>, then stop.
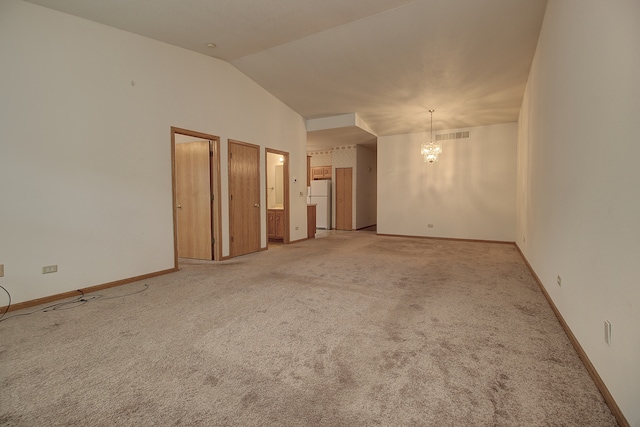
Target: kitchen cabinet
<point x="311" y="221"/>
<point x="275" y="224"/>
<point x="321" y="172"/>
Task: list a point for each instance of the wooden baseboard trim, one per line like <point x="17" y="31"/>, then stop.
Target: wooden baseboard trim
<point x="301" y="240"/>
<point x="57" y="297"/>
<point x="502" y="242"/>
<point x="368" y="226"/>
<point x="608" y="398"/>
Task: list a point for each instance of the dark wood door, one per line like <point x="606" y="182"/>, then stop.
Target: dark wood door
<point x="244" y="198"/>
<point x="344" y="185"/>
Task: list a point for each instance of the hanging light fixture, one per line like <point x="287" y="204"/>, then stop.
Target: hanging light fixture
<point x="431" y="151"/>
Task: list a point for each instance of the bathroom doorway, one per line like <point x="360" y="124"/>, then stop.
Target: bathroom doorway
<point x="277" y="182"/>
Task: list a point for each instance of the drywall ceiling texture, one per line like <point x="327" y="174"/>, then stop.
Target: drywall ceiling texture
<point x="238" y="27"/>
<point x="578" y="208"/>
<point x="387" y="60"/>
<point x="85" y="159"/>
<point x="468" y="194"/>
<point x="467" y="59"/>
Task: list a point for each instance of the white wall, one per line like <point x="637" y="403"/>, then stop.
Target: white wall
<point x="85" y="162"/>
<point x="578" y="209"/>
<point x="321" y="158"/>
<point x="366" y="187"/>
<point x="468" y="194"/>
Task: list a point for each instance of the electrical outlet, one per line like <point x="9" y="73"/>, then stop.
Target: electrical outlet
<point x="49" y="269"/>
<point x="607" y="332"/>
<point x="559" y="280"/>
<point x="1" y="270"/>
<point x="297" y="228"/>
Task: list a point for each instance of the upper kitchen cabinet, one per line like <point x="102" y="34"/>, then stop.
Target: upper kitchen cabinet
<point x="321" y="172"/>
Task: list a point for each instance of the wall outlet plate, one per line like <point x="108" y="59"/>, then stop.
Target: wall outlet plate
<point x="49" y="269"/>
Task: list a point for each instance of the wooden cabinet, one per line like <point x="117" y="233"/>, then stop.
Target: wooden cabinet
<point x="321" y="172"/>
<point x="311" y="221"/>
<point x="275" y="224"/>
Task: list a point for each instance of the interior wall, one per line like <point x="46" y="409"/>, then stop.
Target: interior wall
<point x="468" y="194"/>
<point x="366" y="187"/>
<point x="577" y="206"/>
<point x="85" y="160"/>
<point x="321" y="158"/>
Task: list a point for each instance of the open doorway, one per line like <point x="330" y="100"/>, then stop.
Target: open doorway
<point x="277" y="182"/>
<point x="195" y="159"/>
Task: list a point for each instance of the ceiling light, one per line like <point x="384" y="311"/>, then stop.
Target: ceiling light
<point x="430" y="151"/>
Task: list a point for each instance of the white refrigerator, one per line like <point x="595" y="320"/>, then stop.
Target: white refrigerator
<point x="320" y="195"/>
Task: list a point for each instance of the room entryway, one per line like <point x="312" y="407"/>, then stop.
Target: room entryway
<point x="277" y="191"/>
<point x="196" y="189"/>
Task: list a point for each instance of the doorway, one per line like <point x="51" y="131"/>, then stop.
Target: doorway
<point x="344" y="195"/>
<point x="244" y="198"/>
<point x="196" y="195"/>
<point x="277" y="182"/>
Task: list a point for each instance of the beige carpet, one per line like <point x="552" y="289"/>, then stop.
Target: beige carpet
<point x="351" y="329"/>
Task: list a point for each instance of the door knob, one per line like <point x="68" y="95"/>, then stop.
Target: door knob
<point x="257" y="205"/>
<point x="179" y="207"/>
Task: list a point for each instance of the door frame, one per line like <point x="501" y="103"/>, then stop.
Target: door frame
<point x="216" y="205"/>
<point x="285" y="179"/>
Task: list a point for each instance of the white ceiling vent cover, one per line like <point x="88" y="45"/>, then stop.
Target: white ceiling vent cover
<point x="453" y="135"/>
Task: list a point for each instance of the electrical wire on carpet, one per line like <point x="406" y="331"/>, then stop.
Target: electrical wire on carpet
<point x="66" y="305"/>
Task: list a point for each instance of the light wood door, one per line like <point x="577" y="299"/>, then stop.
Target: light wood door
<point x="193" y="200"/>
<point x="344" y="180"/>
<point x="244" y="198"/>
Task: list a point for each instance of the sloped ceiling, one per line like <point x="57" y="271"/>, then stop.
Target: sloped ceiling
<point x="389" y="61"/>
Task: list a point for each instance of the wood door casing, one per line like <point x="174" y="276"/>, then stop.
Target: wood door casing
<point x="244" y="198"/>
<point x="344" y="193"/>
<point x="193" y="200"/>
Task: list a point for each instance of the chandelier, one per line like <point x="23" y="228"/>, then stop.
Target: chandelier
<point x="430" y="151"/>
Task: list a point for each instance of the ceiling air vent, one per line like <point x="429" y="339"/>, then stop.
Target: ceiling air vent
<point x="452" y="135"/>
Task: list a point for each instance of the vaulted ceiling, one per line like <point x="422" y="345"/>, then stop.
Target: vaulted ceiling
<point x="388" y="61"/>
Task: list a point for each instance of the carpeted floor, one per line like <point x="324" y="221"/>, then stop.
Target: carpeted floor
<point x="351" y="329"/>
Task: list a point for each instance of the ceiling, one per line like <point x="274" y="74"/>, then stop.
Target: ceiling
<point x="388" y="61"/>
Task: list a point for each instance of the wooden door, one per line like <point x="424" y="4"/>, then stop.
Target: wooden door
<point x="244" y="198"/>
<point x="271" y="224"/>
<point x="344" y="180"/>
<point x="311" y="221"/>
<point x="193" y="200"/>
